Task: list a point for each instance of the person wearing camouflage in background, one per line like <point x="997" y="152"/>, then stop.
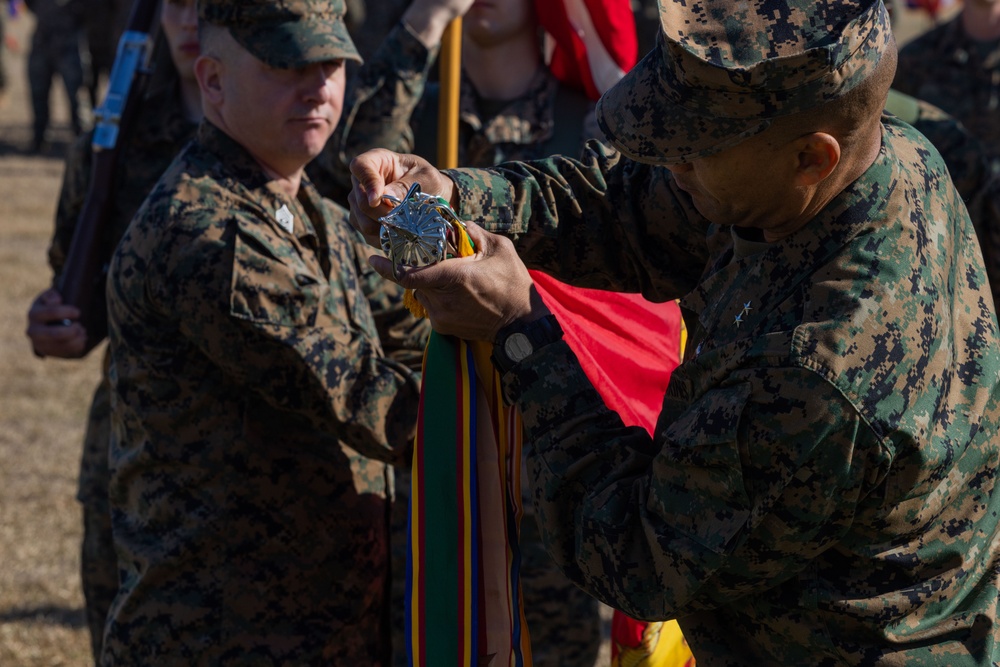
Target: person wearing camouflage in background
<point x="956" y="66"/>
<point x="509" y="107"/>
<point x="166" y="121"/>
<point x="969" y="164"/>
<point x="821" y="488"/>
<point x="56" y="49"/>
<point x="249" y="385"/>
<point x="369" y="21"/>
<point x="105" y="22"/>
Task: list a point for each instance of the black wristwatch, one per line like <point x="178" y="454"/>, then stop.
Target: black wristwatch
<point x="517" y="341"/>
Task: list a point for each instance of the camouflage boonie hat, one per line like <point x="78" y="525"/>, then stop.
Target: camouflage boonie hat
<point x="722" y="69"/>
<point x="285" y="34"/>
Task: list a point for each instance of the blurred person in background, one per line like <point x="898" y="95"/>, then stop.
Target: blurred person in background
<point x="104" y="24"/>
<point x="956" y="67"/>
<point x="166" y="121"/>
<point x="56" y="49"/>
<point x="369" y="21"/>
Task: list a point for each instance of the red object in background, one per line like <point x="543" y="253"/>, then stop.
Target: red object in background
<point x="932" y="7"/>
<point x="594" y="41"/>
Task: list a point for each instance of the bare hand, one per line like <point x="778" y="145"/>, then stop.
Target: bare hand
<point x="379" y="172"/>
<point x="429" y="18"/>
<point x="48" y="330"/>
<point x="473" y="297"/>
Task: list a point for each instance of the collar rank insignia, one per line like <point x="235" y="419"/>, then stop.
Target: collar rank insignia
<point x="285" y="218"/>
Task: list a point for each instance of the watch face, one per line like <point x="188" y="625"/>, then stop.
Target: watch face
<point x="517" y="347"/>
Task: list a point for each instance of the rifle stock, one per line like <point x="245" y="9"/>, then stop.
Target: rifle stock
<point x="83" y="277"/>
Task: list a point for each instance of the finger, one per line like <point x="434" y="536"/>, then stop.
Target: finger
<point x="55" y="332"/>
<point x="433" y="278"/>
<point x="46" y="314"/>
<point x="49" y="297"/>
<point x="383" y="267"/>
<point x="67" y="349"/>
<point x="367" y="172"/>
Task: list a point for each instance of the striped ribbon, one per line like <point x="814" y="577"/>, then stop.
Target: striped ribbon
<point x="463" y="604"/>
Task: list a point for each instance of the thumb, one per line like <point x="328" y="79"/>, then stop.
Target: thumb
<point x="367" y="173"/>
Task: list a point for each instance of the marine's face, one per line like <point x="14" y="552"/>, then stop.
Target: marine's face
<point x="282" y="116"/>
<point x="179" y="21"/>
<point x="748" y="185"/>
<point x="491" y="22"/>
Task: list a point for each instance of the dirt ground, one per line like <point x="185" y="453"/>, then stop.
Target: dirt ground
<point x="43" y="403"/>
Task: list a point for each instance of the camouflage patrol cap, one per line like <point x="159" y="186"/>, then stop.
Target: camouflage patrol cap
<point x="723" y="69"/>
<point x="285" y="34"/>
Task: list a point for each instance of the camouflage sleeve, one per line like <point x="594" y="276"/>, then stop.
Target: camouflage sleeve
<point x="273" y="329"/>
<point x="741" y="487"/>
<point x="597" y="222"/>
<point x="76" y="181"/>
<point x="377" y="110"/>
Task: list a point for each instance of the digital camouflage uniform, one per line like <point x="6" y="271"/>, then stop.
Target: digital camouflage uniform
<point x="821" y="486"/>
<point x="55" y="49"/>
<point x="564" y="621"/>
<point x="969" y="163"/>
<point x="958" y="74"/>
<point x="369" y="21"/>
<point x="249" y="391"/>
<point x="160" y="129"/>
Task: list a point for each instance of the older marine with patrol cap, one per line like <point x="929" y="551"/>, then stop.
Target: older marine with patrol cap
<point x="255" y="408"/>
<point x="821" y="485"/>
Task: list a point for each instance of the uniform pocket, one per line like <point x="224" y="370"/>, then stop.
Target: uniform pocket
<point x="700" y="469"/>
<point x="273" y="287"/>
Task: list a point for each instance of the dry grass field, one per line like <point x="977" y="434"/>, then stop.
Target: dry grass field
<point x="42" y="407"/>
<point x="43" y="404"/>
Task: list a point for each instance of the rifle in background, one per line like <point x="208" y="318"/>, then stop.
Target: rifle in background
<point x="83" y="278"/>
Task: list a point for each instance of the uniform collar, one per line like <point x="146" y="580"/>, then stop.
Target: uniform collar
<point x="243" y="175"/>
<point x="737" y="294"/>
<point x="233" y="159"/>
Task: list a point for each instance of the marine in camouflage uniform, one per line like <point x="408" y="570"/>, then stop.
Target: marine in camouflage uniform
<point x="160" y="128"/>
<point x="55" y="49"/>
<point x="961" y="75"/>
<point x="105" y="22"/>
<point x="370" y="21"/>
<point x="253" y="405"/>
<point x="969" y="163"/>
<point x="821" y="488"/>
<point x="564" y="621"/>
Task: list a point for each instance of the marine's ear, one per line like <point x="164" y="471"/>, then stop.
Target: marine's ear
<point x="818" y="155"/>
<point x="208" y="70"/>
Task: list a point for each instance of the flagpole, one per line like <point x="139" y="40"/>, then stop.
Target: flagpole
<point x="450" y="76"/>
